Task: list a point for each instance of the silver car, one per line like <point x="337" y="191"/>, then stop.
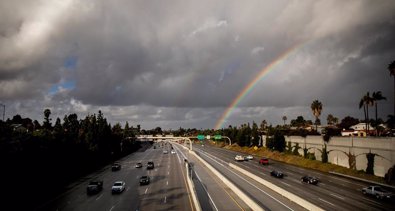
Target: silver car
<point x="118" y="187"/>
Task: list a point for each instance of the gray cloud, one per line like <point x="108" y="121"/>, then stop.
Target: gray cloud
<point x="177" y="63"/>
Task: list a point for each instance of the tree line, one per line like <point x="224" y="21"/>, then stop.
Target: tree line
<point x="42" y="159"/>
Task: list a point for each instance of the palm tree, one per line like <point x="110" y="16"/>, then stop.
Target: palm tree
<point x="316" y="107"/>
<point x="365" y="102"/>
<point x="377" y="96"/>
<point x="391" y="68"/>
<point x="284" y="119"/>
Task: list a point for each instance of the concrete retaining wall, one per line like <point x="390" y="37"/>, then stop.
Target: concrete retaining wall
<point x="339" y="147"/>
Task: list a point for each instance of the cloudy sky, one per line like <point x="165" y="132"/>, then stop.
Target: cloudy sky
<point x="182" y="63"/>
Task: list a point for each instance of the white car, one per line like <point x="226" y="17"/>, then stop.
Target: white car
<point x="239" y="158"/>
<point x="118" y="187"/>
<point x="249" y="157"/>
<point x="173" y="152"/>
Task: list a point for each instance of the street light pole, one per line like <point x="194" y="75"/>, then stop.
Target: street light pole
<point x="3" y="110"/>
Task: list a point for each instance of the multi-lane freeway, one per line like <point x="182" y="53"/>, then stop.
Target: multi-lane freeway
<point x="168" y="189"/>
<point x="331" y="193"/>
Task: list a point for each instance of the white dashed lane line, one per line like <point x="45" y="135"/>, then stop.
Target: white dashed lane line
<point x="99" y="197"/>
<point x="337" y="196"/>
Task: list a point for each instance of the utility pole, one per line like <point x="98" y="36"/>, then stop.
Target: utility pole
<point x="3" y="110"/>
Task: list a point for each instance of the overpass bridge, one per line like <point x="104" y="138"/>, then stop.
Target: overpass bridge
<point x="171" y="138"/>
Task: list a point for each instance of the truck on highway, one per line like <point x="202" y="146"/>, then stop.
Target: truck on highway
<point x="377" y="192"/>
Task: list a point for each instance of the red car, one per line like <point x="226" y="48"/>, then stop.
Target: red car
<point x="264" y="161"/>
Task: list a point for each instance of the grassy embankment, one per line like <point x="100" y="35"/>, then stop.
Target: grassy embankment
<point x="302" y="162"/>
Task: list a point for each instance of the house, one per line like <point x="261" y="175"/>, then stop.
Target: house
<point x="349" y="132"/>
<point x="358" y="130"/>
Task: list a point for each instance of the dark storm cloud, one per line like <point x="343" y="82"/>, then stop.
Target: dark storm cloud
<point x="187" y="61"/>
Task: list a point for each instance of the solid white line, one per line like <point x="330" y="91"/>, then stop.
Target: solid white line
<point x="209" y="196"/>
<point x="326" y="202"/>
<point x="337" y="196"/>
<point x="278" y="201"/>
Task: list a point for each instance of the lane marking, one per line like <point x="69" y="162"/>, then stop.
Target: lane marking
<point x="286" y="184"/>
<point x="337" y="196"/>
<point x="167" y="183"/>
<point x="165" y="199"/>
<point x="146" y="190"/>
<point x="326" y="202"/>
<point x="278" y="201"/>
<point x="112" y="207"/>
<point x="209" y="196"/>
<point x="99" y="197"/>
<point x="168" y="173"/>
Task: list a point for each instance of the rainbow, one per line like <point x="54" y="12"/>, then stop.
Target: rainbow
<point x="250" y="86"/>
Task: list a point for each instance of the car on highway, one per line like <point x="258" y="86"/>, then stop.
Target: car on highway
<point x="150" y="165"/>
<point x="248" y="157"/>
<point x="310" y="180"/>
<point x="139" y="165"/>
<point x="165" y="151"/>
<point x="264" y="161"/>
<point x="173" y="152"/>
<point x="118" y="187"/>
<point x="94" y="187"/>
<point x="378" y="192"/>
<point x="277" y="174"/>
<point x="239" y="158"/>
<point x="144" y="180"/>
<point x="116" y="167"/>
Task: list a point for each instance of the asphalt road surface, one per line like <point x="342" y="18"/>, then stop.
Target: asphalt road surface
<point x="212" y="193"/>
<point x="331" y="193"/>
<point x="166" y="191"/>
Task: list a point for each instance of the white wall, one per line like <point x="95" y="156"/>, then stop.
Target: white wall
<point x="359" y="146"/>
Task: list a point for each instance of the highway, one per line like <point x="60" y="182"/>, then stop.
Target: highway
<point x="166" y="191"/>
<point x="332" y="192"/>
<point x="213" y="194"/>
<point x="168" y="187"/>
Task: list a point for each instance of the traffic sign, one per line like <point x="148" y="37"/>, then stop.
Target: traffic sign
<point x="217" y="137"/>
<point x="200" y="137"/>
<point x="208" y="137"/>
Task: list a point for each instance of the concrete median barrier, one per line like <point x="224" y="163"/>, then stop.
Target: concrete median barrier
<point x="302" y="202"/>
<point x="254" y="206"/>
